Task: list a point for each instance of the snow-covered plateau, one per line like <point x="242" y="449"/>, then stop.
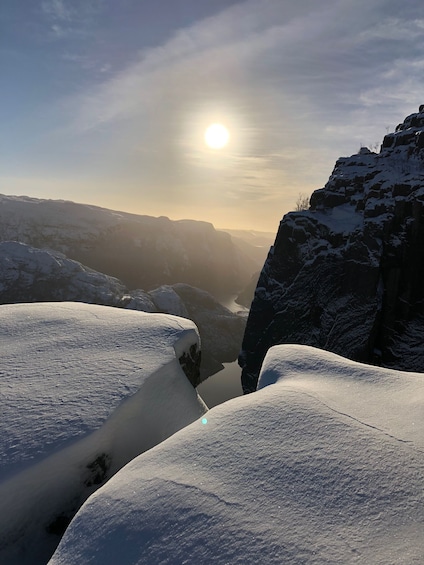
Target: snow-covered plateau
<point x="324" y="464"/>
<point x="84" y="389"/>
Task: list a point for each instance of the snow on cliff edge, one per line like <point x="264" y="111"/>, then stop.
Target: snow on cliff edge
<point x="84" y="389"/>
<point x="323" y="465"/>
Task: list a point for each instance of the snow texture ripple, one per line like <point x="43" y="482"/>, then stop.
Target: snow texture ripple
<point x="84" y="389"/>
<point x="323" y="465"/>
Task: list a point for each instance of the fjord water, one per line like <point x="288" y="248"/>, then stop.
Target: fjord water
<point x="225" y="384"/>
<point x="222" y="386"/>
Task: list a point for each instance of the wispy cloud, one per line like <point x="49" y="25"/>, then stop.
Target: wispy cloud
<point x="58" y="14"/>
<point x="67" y="18"/>
<point x="57" y="10"/>
<point x="261" y="50"/>
<point x="220" y="54"/>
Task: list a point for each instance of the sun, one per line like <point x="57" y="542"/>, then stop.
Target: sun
<point x="216" y="136"/>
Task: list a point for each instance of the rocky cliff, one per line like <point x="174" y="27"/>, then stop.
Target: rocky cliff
<point x="347" y="274"/>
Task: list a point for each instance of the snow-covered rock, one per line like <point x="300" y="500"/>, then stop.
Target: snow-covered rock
<point x="142" y="251"/>
<point x="221" y="331"/>
<point x="167" y="300"/>
<point x="346" y="275"/>
<point x="84" y="389"/>
<point x="323" y="465"/>
<point x="28" y="274"/>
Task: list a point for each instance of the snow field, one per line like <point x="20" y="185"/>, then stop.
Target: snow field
<point x="84" y="390"/>
<point x="322" y="465"/>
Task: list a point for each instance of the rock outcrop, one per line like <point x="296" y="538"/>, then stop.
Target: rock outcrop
<point x="28" y="274"/>
<point x="346" y="275"/>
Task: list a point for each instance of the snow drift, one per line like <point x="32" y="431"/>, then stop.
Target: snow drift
<point x="84" y="389"/>
<point x="323" y="465"/>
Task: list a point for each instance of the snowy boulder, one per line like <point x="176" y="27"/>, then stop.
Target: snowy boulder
<point x="221" y="331"/>
<point x="28" y="274"/>
<point x="324" y="464"/>
<point x="84" y="389"/>
<point x="167" y="300"/>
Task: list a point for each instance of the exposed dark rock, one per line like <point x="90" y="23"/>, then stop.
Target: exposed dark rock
<point x="95" y="473"/>
<point x="98" y="470"/>
<point x="346" y="275"/>
<point x="58" y="526"/>
<point x="190" y="364"/>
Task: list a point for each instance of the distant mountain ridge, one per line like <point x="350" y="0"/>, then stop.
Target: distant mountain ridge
<point x="252" y="243"/>
<point x="141" y="251"/>
<point x="346" y="275"/>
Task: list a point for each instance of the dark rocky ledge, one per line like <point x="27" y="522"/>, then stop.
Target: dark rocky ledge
<point x="190" y="363"/>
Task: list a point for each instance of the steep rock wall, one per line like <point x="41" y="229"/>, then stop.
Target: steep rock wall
<point x="346" y="275"/>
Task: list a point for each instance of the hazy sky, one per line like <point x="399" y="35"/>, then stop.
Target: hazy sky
<point x="106" y="101"/>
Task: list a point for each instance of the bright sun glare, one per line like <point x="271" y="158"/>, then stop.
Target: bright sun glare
<point x="216" y="136"/>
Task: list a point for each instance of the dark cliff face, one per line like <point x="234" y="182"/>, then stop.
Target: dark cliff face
<point x="347" y="274"/>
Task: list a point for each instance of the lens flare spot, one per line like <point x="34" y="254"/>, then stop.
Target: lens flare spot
<point x="204" y="421"/>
